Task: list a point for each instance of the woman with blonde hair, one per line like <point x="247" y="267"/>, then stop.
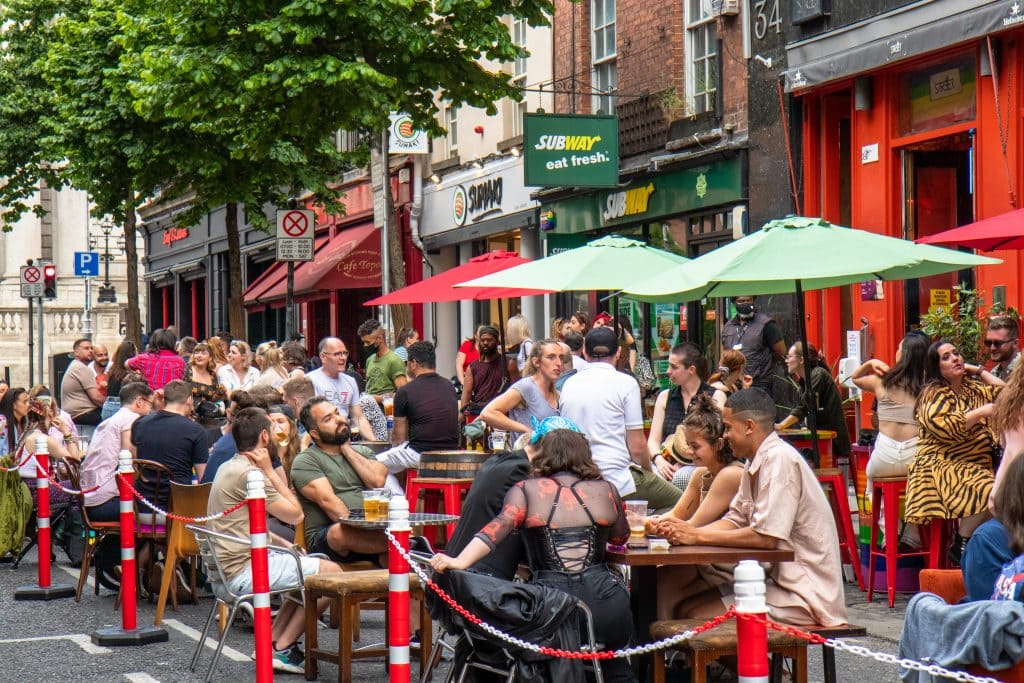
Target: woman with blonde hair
<point x="730" y="377"/>
<point x="559" y="328"/>
<point x="238" y="373"/>
<point x="532" y="397"/>
<point x="260" y="357"/>
<point x="274" y="372"/>
<point x="519" y="337"/>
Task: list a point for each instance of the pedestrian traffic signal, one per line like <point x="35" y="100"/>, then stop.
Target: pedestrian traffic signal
<point x="50" y="281"/>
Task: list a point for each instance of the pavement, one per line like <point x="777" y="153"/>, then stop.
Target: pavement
<point x="45" y="642"/>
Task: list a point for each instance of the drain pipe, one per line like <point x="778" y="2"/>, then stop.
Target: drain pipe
<point x="415" y="212"/>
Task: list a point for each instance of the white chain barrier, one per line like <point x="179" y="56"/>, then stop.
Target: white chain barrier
<point x="73" y="492"/>
<point x="170" y="515"/>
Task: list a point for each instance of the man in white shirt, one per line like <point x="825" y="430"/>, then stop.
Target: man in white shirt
<point x="337" y="387"/>
<point x="605" y="403"/>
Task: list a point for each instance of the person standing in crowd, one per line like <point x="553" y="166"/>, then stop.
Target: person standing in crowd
<point x="185" y="347"/>
<point x="79" y="392"/>
<point x="605" y="403"/>
<point x="407" y="336"/>
<point x="330" y="477"/>
<point x="518" y="337"/>
<point x="1001" y="341"/>
<point x="730" y="377"/>
<point x="485" y="377"/>
<point x="238" y="373"/>
<point x="567" y="369"/>
<point x="101" y="366"/>
<point x="602" y="319"/>
<point x="202" y="378"/>
<point x="951" y="475"/>
<point x="218" y="352"/>
<point x="531" y="398"/>
<point x="780" y="504"/>
<point x="579" y="323"/>
<point x="162" y="364"/>
<point x="685" y="363"/>
<point x="385" y="370"/>
<point x="468" y="352"/>
<point x="574" y="340"/>
<point x="116" y="376"/>
<point x="274" y="372"/>
<point x="331" y="382"/>
<point x="293" y="354"/>
<point x="627" y="344"/>
<point x="758" y="337"/>
<point x="558" y="329"/>
<point x="827" y="401"/>
<point x="426" y="415"/>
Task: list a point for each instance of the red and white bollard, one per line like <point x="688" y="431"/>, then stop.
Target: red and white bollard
<point x="257" y="501"/>
<point x="128" y="633"/>
<point x="751" y="635"/>
<point x="45" y="590"/>
<point x="398" y="592"/>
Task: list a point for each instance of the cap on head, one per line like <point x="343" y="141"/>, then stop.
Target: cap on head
<point x="601" y="342"/>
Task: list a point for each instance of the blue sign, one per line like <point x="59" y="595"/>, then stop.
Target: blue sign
<point x="87" y="263"/>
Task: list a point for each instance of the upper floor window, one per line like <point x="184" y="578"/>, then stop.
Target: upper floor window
<point x="702" y="53"/>
<point x="605" y="78"/>
<point x="451" y="124"/>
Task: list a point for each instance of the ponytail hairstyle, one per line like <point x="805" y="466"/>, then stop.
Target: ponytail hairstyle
<point x="708" y="421"/>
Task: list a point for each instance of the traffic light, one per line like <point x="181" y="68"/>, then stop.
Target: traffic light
<point x="50" y="281"/>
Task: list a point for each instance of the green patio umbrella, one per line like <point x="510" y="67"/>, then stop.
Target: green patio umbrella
<point x="793" y="254"/>
<point x="611" y="262"/>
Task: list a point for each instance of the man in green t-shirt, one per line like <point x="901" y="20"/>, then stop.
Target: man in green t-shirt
<point x="330" y="477"/>
<point x="385" y="370"/>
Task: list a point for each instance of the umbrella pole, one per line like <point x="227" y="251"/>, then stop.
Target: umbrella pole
<point x="812" y="408"/>
<point x="501" y="331"/>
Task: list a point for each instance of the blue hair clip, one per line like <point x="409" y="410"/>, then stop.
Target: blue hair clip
<point x="550" y="424"/>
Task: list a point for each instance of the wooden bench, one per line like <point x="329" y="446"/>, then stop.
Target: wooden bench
<point x="347" y="590"/>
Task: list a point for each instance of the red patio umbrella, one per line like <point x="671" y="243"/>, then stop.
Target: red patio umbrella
<point x="441" y="287"/>
<point x="1005" y="231"/>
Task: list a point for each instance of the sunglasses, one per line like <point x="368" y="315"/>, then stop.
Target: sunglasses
<point x="993" y="343"/>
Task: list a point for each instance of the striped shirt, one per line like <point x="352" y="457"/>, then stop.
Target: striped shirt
<point x="158" y="368"/>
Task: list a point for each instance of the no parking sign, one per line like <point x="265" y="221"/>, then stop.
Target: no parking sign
<point x="295" y="229"/>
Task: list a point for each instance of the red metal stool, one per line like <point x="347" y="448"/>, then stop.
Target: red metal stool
<point x="450" y="490"/>
<point x="887" y="491"/>
<point x="834" y="479"/>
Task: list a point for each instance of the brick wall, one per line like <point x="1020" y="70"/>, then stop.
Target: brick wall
<point x="734" y="74"/>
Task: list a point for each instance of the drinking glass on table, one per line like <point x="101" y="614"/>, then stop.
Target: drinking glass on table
<point x="371" y="505"/>
<point x="636" y="514"/>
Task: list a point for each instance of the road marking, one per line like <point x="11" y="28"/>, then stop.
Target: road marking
<point x="192" y="633"/>
<point x="75" y="574"/>
<point x="141" y="677"/>
<point x="79" y="639"/>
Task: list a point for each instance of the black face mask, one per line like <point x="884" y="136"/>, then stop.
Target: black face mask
<point x="369" y="349"/>
<point x="745" y="310"/>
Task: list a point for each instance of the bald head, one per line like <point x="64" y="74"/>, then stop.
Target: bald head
<point x="100" y="355"/>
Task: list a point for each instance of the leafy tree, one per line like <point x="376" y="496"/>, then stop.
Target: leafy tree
<point x="264" y="83"/>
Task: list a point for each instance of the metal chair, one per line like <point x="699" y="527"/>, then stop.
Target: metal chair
<point x="95" y="532"/>
<point x="222" y="594"/>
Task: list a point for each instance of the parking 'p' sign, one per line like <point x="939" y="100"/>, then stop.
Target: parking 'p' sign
<point x="295" y="228"/>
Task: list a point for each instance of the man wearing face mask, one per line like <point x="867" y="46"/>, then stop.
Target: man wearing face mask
<point x="385" y="370"/>
<point x="330" y="477"/>
<point x="759" y="338"/>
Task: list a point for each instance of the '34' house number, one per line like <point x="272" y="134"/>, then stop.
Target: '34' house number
<point x="766" y="17"/>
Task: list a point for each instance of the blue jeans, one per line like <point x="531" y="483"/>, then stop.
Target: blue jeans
<point x="986" y="553"/>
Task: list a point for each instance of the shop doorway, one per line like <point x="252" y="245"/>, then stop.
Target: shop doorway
<point x="938" y="189"/>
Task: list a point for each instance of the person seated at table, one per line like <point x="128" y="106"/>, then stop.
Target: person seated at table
<point x="426" y="415"/>
<point x="730" y="377"/>
<point x="566" y="514"/>
<point x="780" y="504"/>
<point x="252" y="429"/>
<point x="829" y="415"/>
<point x="533" y="396"/>
<point x="330" y="477"/>
<point x="712" y="487"/>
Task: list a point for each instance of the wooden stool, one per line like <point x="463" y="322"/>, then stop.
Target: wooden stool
<point x="888" y="491"/>
<point x="346" y="590"/>
<point x="451" y="491"/>
<point x="833" y="478"/>
<point x="720" y="641"/>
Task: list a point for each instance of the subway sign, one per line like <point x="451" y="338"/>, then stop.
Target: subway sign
<point x="570" y="150"/>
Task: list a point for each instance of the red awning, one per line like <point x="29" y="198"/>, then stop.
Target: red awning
<point x="442" y="287"/>
<point x="1005" y="231"/>
<point x="349" y="261"/>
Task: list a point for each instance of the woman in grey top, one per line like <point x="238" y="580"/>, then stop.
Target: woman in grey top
<point x="533" y="396"/>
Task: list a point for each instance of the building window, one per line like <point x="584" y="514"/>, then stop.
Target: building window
<point x="702" y="48"/>
<point x="451" y="124"/>
<point x="604" y="77"/>
<point x="519" y="75"/>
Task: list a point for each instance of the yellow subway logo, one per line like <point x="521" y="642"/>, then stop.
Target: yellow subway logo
<point x="572" y="143"/>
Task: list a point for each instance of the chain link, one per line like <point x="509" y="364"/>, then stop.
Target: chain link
<point x="83" y="491"/>
<point x="180" y="518"/>
<point x="19" y="465"/>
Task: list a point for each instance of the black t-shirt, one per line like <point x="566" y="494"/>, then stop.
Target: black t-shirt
<point x="429" y="404"/>
<point x="484" y="502"/>
<point x="173" y="441"/>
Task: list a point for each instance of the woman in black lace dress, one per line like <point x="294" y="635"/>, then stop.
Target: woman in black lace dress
<point x="566" y="514"/>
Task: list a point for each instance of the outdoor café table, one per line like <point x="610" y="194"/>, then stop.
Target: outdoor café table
<point x="421" y="519"/>
<point x="644" y="563"/>
<point x="800" y="439"/>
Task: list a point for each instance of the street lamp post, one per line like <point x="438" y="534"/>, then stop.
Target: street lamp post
<point x="107" y="293"/>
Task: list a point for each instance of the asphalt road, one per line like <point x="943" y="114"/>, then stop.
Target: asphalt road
<point x="42" y="642"/>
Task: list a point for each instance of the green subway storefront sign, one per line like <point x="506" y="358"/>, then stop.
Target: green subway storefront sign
<point x="570" y="150"/>
<point x="685" y="191"/>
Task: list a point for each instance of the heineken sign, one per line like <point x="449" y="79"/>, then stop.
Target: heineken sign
<point x="571" y="150"/>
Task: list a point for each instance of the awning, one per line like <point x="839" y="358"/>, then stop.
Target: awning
<point x="907" y="31"/>
<point x="350" y="261"/>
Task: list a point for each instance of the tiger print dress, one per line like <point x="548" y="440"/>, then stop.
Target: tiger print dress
<point x="952" y="472"/>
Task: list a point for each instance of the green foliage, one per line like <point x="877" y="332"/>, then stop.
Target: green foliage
<point x="962" y="322"/>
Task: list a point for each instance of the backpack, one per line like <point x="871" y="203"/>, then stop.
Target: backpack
<point x="15" y="508"/>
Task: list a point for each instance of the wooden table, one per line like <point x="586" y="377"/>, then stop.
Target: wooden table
<point x="644" y="564"/>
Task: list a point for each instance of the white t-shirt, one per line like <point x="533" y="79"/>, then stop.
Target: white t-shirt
<point x="604" y="403"/>
<point x="341" y="391"/>
<point x="578" y="363"/>
<point x="228" y="378"/>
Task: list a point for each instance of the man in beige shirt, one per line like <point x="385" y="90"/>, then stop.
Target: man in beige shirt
<point x="780" y="504"/>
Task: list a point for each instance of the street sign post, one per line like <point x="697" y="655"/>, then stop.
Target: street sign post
<point x="31" y="282"/>
<point x="295" y="235"/>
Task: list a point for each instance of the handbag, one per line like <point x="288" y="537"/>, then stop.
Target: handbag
<point x="645" y="374"/>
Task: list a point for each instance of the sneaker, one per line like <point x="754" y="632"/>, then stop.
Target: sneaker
<point x="291" y="660"/>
